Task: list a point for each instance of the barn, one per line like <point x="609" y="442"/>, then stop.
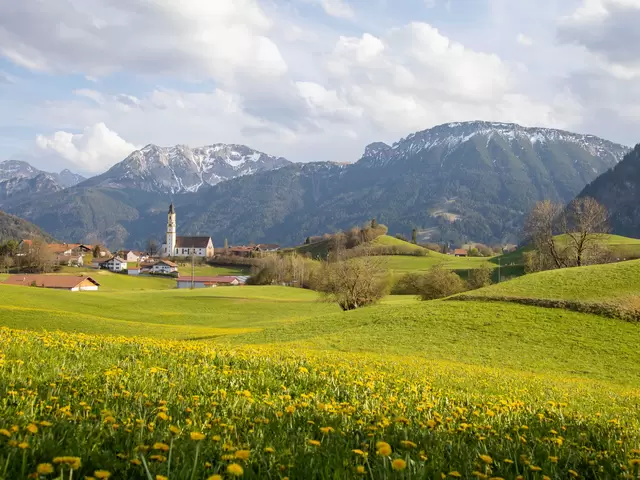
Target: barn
<point x="71" y="283"/>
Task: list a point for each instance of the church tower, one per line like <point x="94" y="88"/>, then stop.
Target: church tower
<point x="171" y="232"/>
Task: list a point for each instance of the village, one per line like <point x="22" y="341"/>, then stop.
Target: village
<point x="177" y="253"/>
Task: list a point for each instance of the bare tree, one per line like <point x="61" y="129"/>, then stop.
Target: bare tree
<point x="352" y="283"/>
<point x="585" y="224"/>
<point x="566" y="237"/>
<point x="152" y="247"/>
<point x="541" y="227"/>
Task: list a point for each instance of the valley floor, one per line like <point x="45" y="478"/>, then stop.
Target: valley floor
<point x="145" y="381"/>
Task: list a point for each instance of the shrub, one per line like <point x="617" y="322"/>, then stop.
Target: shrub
<point x="440" y="283"/>
<point x="479" y="277"/>
<point x="352" y="283"/>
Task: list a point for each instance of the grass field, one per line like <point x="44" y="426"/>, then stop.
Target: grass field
<point x="269" y="382"/>
<point x="592" y="283"/>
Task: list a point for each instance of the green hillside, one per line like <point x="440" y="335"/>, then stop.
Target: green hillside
<point x="622" y="248"/>
<point x="591" y="283"/>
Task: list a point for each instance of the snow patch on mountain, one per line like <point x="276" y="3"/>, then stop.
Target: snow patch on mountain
<point x="450" y="136"/>
<point x="182" y="169"/>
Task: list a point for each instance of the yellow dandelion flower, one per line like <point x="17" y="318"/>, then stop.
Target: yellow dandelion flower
<point x="486" y="459"/>
<point x="358" y="452"/>
<point x="161" y="446"/>
<point x="508" y="460"/>
<point x="535" y="468"/>
<point x="5" y="432"/>
<point x="384" y="449"/>
<point x="361" y="470"/>
<point x="102" y="474"/>
<point x="215" y="477"/>
<point x="480" y="475"/>
<point x="175" y="430"/>
<point x="73" y="462"/>
<point x="455" y="474"/>
<point x="32" y="428"/>
<point x="135" y="461"/>
<point x="161" y="477"/>
<point x="44" y="469"/>
<point x="408" y="444"/>
<point x="398" y="464"/>
<point x="634" y="462"/>
<point x="326" y="430"/>
<point x="243" y="454"/>
<point x="269" y="450"/>
<point x="553" y="459"/>
<point x="314" y="443"/>
<point x="235" y="470"/>
<point x="23" y="445"/>
<point x="197" y="436"/>
<point x="163" y="416"/>
<point x="573" y="473"/>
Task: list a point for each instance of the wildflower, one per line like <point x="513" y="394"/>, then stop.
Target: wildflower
<point x="163" y="416"/>
<point x="508" y="460"/>
<point x="408" y="444"/>
<point x="534" y="468"/>
<point x="161" y="446"/>
<point x="634" y="462"/>
<point x="161" y="477"/>
<point x="135" y="461"/>
<point x="235" y="470"/>
<point x="5" y="432"/>
<point x="23" y="445"/>
<point x="315" y="443"/>
<point x="553" y="459"/>
<point x="44" y="469"/>
<point x="358" y="452"/>
<point x="486" y="459"/>
<point x="243" y="454"/>
<point x="175" y="430"/>
<point x="384" y="449"/>
<point x="573" y="473"/>
<point x="215" y="477"/>
<point x="398" y="464"/>
<point x="73" y="462"/>
<point x="480" y="475"/>
<point x="32" y="428"/>
<point x="102" y="474"/>
<point x="326" y="430"/>
<point x="360" y="470"/>
<point x="197" y="436"/>
<point x="270" y="450"/>
<point x="455" y="474"/>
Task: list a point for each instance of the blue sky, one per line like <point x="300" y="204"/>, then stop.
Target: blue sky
<point x="85" y="82"/>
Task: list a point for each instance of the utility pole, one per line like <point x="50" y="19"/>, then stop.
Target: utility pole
<point x="193" y="269"/>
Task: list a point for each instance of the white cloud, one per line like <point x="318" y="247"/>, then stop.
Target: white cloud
<point x="195" y="39"/>
<point x="609" y="31"/>
<point x="94" y="150"/>
<point x="337" y="8"/>
<point x="522" y="39"/>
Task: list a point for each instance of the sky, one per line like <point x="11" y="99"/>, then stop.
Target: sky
<point x="83" y="83"/>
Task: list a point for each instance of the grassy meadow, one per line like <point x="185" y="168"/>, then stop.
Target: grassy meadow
<point x="144" y="381"/>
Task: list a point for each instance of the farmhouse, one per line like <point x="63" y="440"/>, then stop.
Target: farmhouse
<point x="60" y="282"/>
<point x="134" y="270"/>
<point x="177" y="246"/>
<point x="460" y="252"/>
<point x="132" y="256"/>
<point x="266" y="247"/>
<point x="207" y="282"/>
<point x="114" y="264"/>
<point x="164" y="266"/>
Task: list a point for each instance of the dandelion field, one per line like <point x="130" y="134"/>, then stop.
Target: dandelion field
<point x="141" y="408"/>
<point x="265" y="382"/>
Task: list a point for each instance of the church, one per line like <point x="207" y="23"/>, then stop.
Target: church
<point x="177" y="246"/>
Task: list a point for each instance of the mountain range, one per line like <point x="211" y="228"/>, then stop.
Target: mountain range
<point x="18" y="180"/>
<point x="456" y="182"/>
<point x="181" y="169"/>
